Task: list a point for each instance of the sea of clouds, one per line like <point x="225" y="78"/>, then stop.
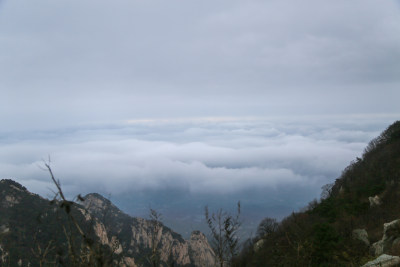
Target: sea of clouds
<point x="218" y="155"/>
<point x="272" y="165"/>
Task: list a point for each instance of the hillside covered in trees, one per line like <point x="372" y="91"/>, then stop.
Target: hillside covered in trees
<point x="355" y="221"/>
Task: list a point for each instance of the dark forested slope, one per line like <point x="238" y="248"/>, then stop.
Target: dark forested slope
<point x="327" y="232"/>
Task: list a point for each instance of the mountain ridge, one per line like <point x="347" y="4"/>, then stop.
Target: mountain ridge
<point x="356" y="220"/>
<point x="29" y="221"/>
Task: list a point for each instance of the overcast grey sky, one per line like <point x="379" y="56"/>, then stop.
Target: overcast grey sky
<point x="69" y="62"/>
<point x="209" y="96"/>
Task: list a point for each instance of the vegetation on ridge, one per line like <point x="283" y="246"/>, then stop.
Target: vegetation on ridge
<point x="321" y="235"/>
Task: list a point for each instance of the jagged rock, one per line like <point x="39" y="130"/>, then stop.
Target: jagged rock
<point x="101" y="232"/>
<point x="3" y="254"/>
<point x="374" y="201"/>
<point x="391" y="236"/>
<point x="383" y="261"/>
<point x="171" y="244"/>
<point x="377" y="248"/>
<point x="201" y="252"/>
<point x="134" y="236"/>
<point x="361" y="235"/>
<point x="4" y="229"/>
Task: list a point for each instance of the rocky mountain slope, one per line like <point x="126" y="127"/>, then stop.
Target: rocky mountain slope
<point x="37" y="232"/>
<point x="134" y="236"/>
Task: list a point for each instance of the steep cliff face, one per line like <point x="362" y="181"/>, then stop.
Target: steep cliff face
<point x="32" y="230"/>
<point x="137" y="237"/>
<point x="200" y="250"/>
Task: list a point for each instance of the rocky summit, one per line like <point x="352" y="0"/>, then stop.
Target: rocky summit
<point x="38" y="232"/>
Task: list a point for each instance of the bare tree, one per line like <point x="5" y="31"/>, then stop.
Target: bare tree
<point x="326" y="191"/>
<point x="224" y="232"/>
<point x="266" y="227"/>
<point x="89" y="252"/>
<point x="41" y="253"/>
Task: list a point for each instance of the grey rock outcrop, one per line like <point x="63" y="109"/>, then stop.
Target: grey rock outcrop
<point x="170" y="244"/>
<point x="200" y="250"/>
<point x="383" y="261"/>
<point x="391" y="236"/>
<point x="12" y="196"/>
<point x="4" y="229"/>
<point x="134" y="237"/>
<point x="374" y="201"/>
<point x="361" y="235"/>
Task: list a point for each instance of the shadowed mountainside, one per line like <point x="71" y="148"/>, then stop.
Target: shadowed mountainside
<point x="37" y="232"/>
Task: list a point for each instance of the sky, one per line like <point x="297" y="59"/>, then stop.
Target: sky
<point x="263" y="101"/>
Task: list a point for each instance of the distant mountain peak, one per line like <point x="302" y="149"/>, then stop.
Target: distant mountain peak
<point x="98" y="204"/>
<point x="97" y="196"/>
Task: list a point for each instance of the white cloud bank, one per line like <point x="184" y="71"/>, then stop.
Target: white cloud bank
<point x="220" y="156"/>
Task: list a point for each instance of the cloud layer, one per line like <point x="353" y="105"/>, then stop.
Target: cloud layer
<point x="205" y="156"/>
